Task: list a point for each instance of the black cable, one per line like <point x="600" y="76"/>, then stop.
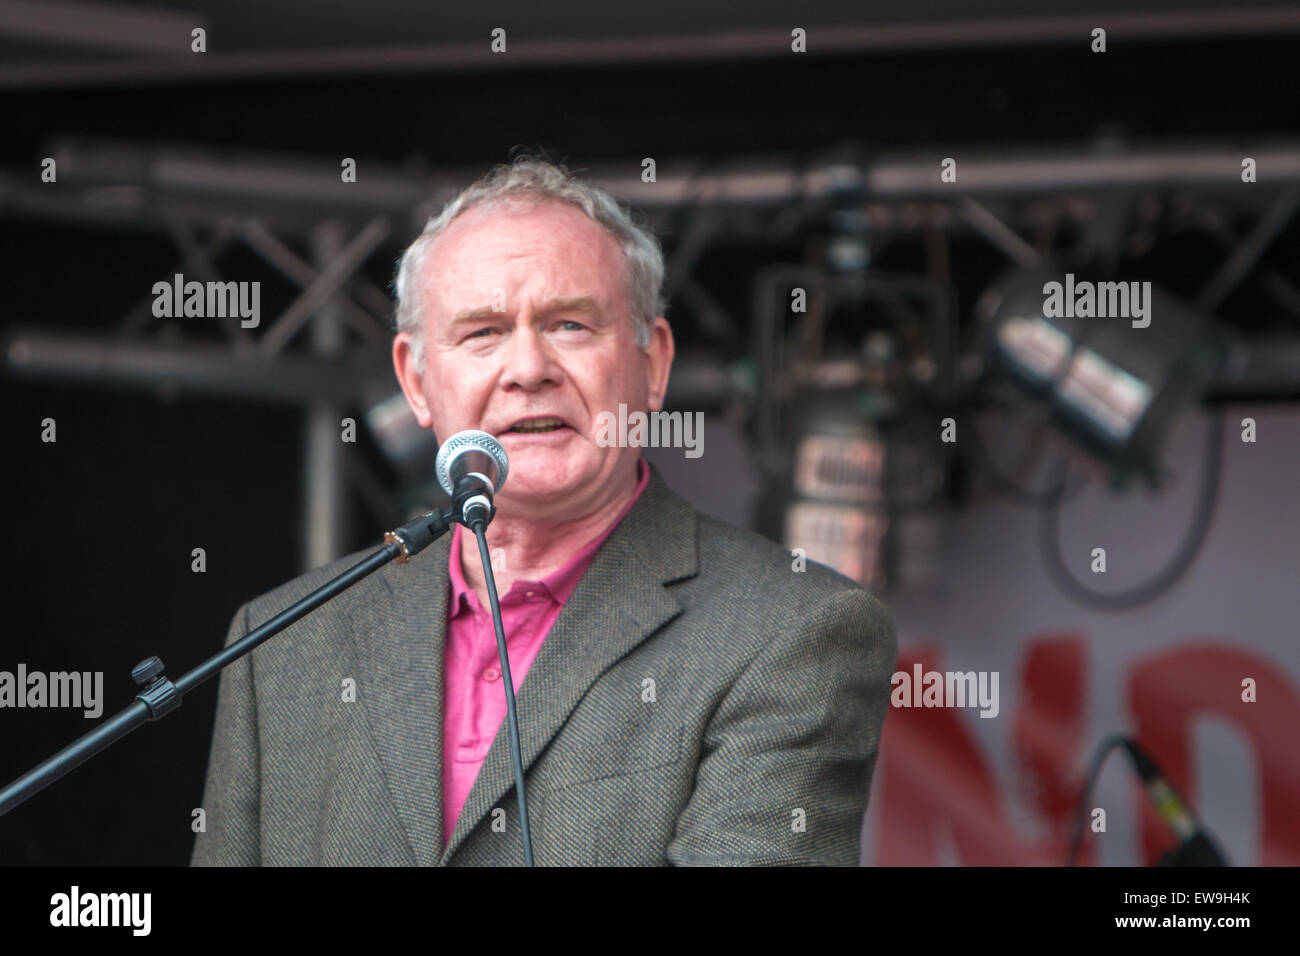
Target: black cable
<point x="1025" y="496"/>
<point x="1090" y="781"/>
<point x="479" y="527"/>
<point x="1174" y="569"/>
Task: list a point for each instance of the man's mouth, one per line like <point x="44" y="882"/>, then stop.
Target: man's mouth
<point x="534" y="425"/>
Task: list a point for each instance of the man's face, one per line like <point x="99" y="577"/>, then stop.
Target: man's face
<point x="526" y="316"/>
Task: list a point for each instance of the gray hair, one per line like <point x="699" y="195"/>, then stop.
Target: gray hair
<point x="540" y="180"/>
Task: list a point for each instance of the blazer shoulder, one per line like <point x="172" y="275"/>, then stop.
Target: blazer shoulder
<point x="753" y="590"/>
<point x="759" y="568"/>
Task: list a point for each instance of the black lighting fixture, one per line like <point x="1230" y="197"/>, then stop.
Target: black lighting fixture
<point x="409" y="449"/>
<point x="849" y="481"/>
<point x="1116" y="362"/>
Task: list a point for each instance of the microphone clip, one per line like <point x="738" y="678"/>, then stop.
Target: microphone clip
<point x="418" y="533"/>
<point x="472" y="501"/>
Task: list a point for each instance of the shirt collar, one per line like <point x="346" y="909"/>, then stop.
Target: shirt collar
<point x="560" y="583"/>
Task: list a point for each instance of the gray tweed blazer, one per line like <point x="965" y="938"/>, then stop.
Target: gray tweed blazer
<point x="697" y="702"/>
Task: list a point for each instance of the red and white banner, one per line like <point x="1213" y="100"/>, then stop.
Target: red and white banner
<point x="951" y="787"/>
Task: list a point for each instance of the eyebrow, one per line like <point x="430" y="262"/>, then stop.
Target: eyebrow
<point x="579" y="303"/>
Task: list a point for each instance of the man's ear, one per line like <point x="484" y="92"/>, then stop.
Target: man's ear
<point x="411" y="380"/>
<point x="659" y="363"/>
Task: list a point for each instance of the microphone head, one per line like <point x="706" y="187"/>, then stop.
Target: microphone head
<point x="468" y="451"/>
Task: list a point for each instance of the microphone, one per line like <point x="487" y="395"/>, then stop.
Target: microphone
<point x="472" y="466"/>
<point x="1195" y="847"/>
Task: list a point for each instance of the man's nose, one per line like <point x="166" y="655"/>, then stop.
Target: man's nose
<point x="530" y="360"/>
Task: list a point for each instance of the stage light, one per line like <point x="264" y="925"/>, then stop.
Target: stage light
<point x="836" y="506"/>
<point x="409" y="448"/>
<point x="1116" y="362"/>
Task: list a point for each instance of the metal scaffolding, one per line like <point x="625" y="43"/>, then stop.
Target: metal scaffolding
<point x="207" y="203"/>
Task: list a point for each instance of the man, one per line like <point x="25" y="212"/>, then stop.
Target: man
<point x="684" y="695"/>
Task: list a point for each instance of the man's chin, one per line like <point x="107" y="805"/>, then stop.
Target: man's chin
<point x="527" y="487"/>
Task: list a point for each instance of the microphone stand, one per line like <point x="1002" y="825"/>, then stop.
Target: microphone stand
<point x="159" y="696"/>
<point x="474" y="509"/>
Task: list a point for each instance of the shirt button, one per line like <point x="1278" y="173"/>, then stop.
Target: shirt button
<point x="491" y="674"/>
<point x="530" y="593"/>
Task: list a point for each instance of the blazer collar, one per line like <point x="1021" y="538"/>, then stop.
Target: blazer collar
<point x="620" y="601"/>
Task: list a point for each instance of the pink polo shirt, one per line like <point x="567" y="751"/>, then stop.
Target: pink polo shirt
<point x="474" y="700"/>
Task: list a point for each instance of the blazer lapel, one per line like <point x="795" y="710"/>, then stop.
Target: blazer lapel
<point x="618" y="603"/>
<point x="400" y="659"/>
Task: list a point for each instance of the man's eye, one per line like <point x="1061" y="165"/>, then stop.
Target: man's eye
<point x="577" y="326"/>
<point x="477" y="333"/>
